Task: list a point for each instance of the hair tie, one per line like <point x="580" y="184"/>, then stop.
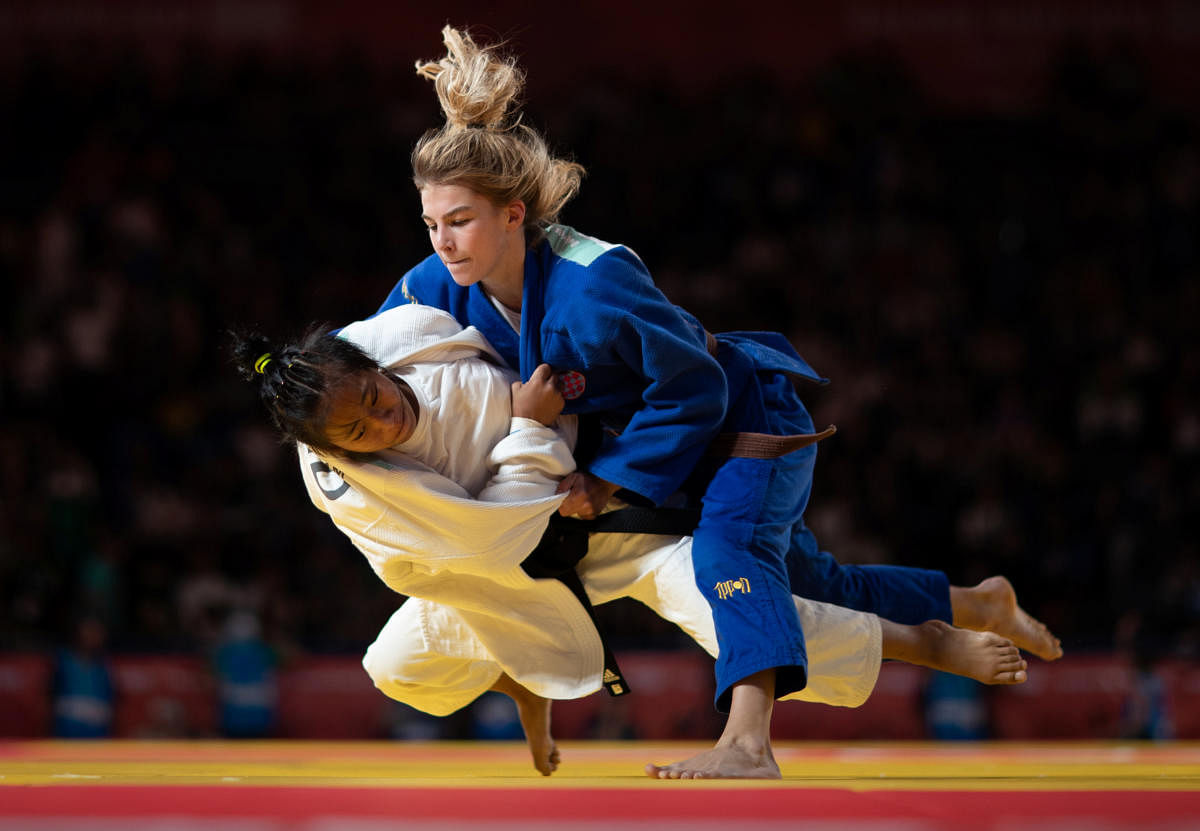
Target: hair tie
<point x="261" y="363"/>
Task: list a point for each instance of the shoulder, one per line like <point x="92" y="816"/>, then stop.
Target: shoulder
<point x="410" y="324"/>
<point x="578" y="248"/>
<point x="413" y="333"/>
<point x="583" y="268"/>
<point x="576" y="252"/>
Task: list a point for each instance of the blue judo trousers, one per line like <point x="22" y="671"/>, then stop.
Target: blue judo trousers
<point x="752" y="550"/>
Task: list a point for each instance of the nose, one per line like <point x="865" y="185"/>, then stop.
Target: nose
<point x="386" y="418"/>
<point x="379" y="426"/>
<point x="378" y="415"/>
<point x="442" y="240"/>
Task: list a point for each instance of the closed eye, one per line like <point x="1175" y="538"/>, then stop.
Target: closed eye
<point x="453" y="223"/>
<point x="355" y="431"/>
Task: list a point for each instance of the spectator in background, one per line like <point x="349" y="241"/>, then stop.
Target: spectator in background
<point x="955" y="708"/>
<point x="83" y="691"/>
<point x="1145" y="712"/>
<point x="247" y="691"/>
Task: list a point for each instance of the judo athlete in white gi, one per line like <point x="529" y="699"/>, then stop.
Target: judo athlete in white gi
<point x="424" y="466"/>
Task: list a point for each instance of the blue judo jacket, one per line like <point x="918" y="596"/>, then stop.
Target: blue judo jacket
<point x="590" y="308"/>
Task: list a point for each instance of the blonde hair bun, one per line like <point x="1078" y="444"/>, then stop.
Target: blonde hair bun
<point x="475" y="86"/>
<point x="483" y="145"/>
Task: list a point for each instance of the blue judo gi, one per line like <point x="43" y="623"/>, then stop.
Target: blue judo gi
<point x="591" y="308"/>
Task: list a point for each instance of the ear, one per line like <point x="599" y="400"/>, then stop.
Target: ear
<point x="514" y="215"/>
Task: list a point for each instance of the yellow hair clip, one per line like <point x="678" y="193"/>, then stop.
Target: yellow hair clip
<point x="261" y="363"/>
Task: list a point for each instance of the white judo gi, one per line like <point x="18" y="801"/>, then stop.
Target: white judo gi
<point x="448" y="516"/>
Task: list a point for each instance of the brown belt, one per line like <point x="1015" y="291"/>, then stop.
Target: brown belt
<point x="763" y="445"/>
<point x="758" y="445"/>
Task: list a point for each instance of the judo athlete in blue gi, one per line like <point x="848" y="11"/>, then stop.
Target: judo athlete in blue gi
<point x="663" y="392"/>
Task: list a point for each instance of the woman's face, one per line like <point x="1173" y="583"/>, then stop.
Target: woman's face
<point x="370" y="411"/>
<point x="473" y="237"/>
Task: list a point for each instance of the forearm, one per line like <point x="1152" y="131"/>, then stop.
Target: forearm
<point x="527" y="464"/>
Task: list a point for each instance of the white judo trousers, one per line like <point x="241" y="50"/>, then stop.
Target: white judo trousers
<point x="447" y="517"/>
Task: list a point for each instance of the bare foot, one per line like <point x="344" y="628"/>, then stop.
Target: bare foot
<point x="992" y="606"/>
<point x="534" y="713"/>
<point x="984" y="656"/>
<point x="732" y="760"/>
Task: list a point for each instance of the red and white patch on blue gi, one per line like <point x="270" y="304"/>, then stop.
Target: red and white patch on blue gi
<point x="573" y="384"/>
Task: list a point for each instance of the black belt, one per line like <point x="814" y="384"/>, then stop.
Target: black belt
<point x="563" y="545"/>
<point x="634" y="519"/>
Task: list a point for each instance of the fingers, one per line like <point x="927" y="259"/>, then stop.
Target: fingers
<point x="567" y="486"/>
<point x="587" y="495"/>
<point x="540" y="398"/>
<point x="577" y="502"/>
<point x="544" y="372"/>
<point x="545" y="375"/>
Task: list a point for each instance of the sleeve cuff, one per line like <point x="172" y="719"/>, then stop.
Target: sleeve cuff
<point x="519" y="424"/>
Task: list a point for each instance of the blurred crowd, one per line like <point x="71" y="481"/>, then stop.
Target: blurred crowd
<point x="1001" y="302"/>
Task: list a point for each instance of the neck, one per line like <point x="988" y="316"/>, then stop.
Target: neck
<point x="508" y="296"/>
<point x="508" y="284"/>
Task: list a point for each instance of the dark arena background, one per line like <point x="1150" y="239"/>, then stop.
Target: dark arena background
<point x="980" y="220"/>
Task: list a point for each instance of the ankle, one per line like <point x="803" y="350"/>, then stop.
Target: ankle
<point x="755" y="745"/>
<point x="969" y="606"/>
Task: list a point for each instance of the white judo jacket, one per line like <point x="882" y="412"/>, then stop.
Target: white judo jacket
<point x="429" y="537"/>
<point x="447" y="517"/>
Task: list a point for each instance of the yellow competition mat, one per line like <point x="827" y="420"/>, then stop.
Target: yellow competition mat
<point x="319" y="786"/>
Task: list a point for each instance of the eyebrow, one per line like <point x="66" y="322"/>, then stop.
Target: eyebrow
<point x="348" y="430"/>
<point x="450" y="212"/>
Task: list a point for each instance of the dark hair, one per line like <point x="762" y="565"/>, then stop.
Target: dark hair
<point x="295" y="379"/>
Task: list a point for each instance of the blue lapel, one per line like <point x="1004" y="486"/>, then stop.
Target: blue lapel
<point x="533" y="310"/>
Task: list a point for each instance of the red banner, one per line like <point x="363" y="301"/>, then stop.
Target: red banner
<point x="1079" y="697"/>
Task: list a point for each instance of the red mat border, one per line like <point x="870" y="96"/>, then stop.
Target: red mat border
<point x="667" y="800"/>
